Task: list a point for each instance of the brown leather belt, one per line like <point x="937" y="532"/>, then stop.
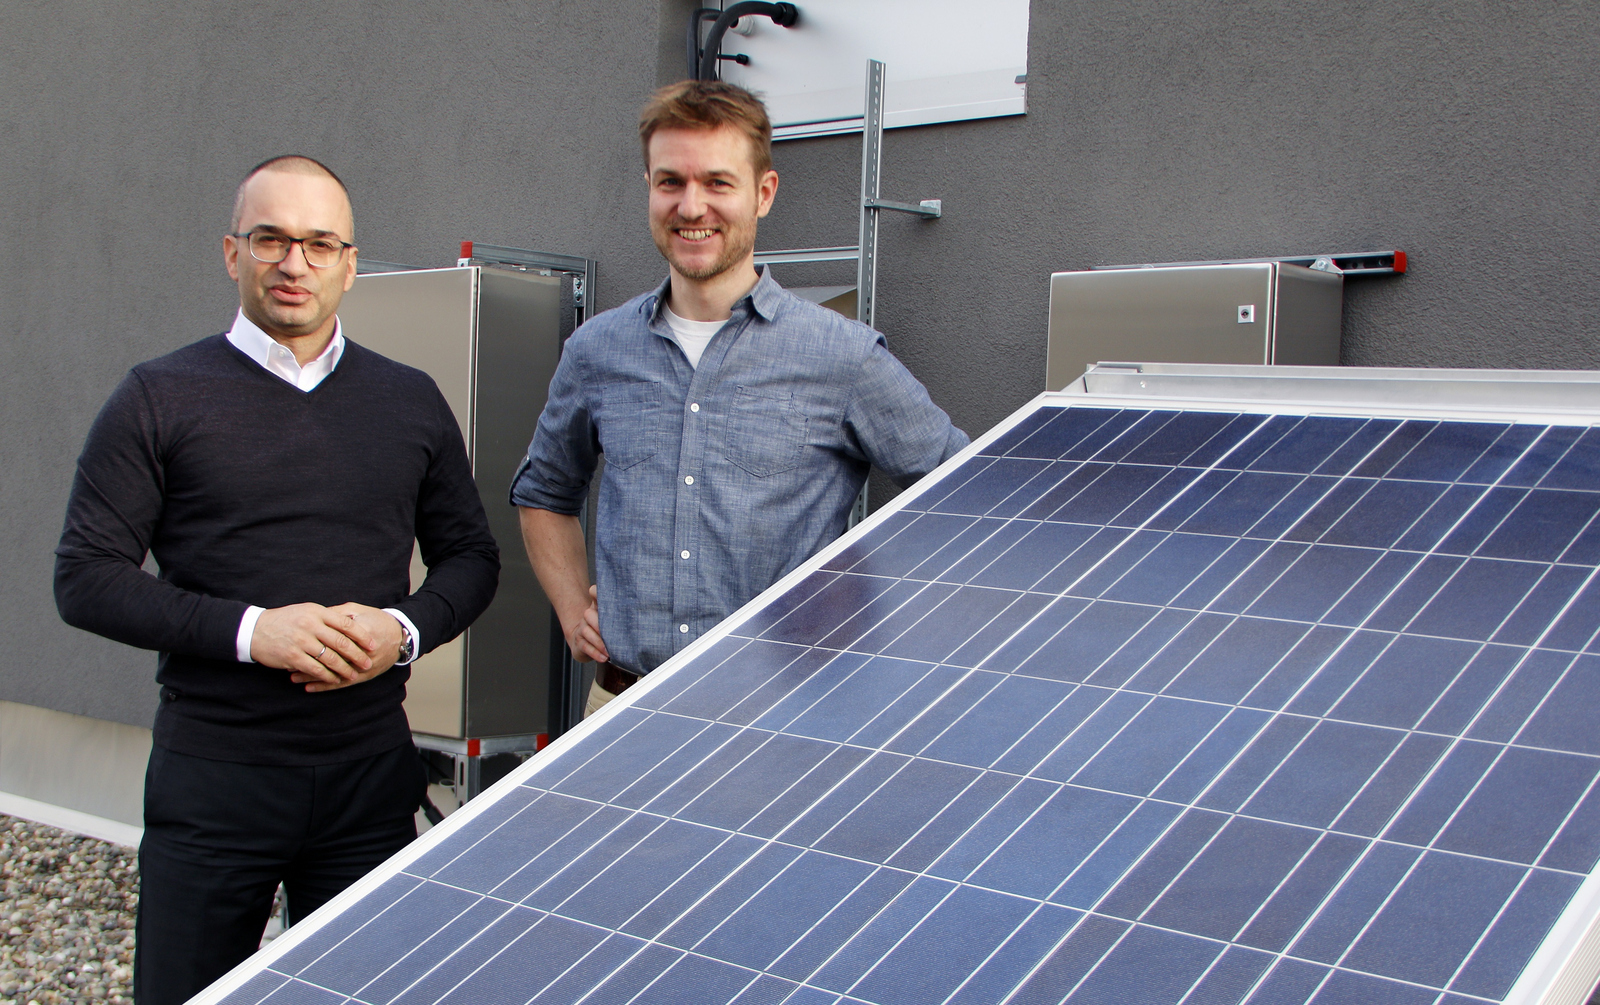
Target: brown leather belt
<point x="614" y="678"/>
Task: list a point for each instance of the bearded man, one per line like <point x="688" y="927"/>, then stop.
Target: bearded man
<point x="737" y="420"/>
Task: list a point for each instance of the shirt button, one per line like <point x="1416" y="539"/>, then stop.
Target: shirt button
<point x="688" y="479"/>
<point x="694" y="406"/>
<point x="683" y="629"/>
<point x="684" y="553"/>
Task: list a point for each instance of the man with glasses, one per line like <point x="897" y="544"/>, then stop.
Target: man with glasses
<point x="278" y="475"/>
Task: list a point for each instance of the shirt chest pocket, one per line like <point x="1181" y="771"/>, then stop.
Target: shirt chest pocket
<point x="765" y="432"/>
<point x="631" y="423"/>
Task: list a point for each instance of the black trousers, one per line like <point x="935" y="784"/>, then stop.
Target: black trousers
<point x="219" y="837"/>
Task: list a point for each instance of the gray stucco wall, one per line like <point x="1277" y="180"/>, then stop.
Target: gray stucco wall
<point x="1461" y="133"/>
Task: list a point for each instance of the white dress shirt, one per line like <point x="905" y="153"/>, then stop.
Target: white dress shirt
<point x="277" y="360"/>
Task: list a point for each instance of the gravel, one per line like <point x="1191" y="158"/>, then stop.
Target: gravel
<point x="66" y="916"/>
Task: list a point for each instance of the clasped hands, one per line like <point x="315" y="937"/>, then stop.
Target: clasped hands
<point x="327" y="647"/>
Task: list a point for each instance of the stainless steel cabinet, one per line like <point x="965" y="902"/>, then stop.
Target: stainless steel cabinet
<point x="1262" y="312"/>
<point x="490" y="339"/>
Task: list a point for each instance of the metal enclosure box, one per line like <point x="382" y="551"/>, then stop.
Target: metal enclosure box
<point x="490" y="339"/>
<point x="1262" y="312"/>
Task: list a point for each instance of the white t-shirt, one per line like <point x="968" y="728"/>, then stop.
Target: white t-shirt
<point x="692" y="336"/>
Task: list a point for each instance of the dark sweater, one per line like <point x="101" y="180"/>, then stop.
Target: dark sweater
<point x="247" y="490"/>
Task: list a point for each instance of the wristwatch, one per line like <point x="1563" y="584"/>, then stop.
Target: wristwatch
<point x="408" y="647"/>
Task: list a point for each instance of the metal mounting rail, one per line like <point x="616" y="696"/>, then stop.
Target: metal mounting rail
<point x="1358" y="263"/>
<point x="871" y="196"/>
<point x="370" y="266"/>
<point x="806" y="256"/>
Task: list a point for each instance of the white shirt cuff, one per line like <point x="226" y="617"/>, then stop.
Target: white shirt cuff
<point x="411" y="632"/>
<point x="247" y="631"/>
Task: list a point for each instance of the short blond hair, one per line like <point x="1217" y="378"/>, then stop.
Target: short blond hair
<point x="709" y="104"/>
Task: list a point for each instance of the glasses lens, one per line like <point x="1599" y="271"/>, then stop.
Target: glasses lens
<point x="269" y="247"/>
<point x="322" y="252"/>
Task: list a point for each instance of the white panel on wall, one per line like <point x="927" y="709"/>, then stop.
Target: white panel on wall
<point x="946" y="61"/>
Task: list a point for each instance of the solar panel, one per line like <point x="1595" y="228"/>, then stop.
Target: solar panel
<point x="1131" y="703"/>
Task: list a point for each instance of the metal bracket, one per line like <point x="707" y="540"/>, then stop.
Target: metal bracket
<point x="1356" y="263"/>
<point x="928" y="209"/>
<point x="467" y="756"/>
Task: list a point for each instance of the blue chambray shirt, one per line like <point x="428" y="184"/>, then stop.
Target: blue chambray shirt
<point x="721" y="479"/>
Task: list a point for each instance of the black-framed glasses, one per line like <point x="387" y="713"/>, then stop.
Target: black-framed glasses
<point x="321" y="252"/>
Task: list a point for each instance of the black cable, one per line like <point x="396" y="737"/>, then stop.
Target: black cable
<point x="699" y="17"/>
<point x="431" y="812"/>
<point x="785" y="15"/>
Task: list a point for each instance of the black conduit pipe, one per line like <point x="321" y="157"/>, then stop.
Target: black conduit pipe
<point x="701" y="15"/>
<point x="785" y="15"/>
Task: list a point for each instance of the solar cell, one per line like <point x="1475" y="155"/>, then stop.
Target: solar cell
<point x="1131" y="704"/>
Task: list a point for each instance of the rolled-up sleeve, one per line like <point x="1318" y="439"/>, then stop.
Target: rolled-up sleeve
<point x="899" y="428"/>
<point x="561" y="459"/>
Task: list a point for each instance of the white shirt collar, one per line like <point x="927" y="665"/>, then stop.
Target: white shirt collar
<point x="277" y="360"/>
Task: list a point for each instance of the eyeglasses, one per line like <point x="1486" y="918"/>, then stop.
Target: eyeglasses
<point x="320" y="252"/>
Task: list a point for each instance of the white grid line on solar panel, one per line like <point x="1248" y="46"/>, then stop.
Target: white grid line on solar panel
<point x="1354" y="683"/>
<point x="1354" y="467"/>
<point x="1013" y="439"/>
<point x="1394" y="751"/>
<point x="1197" y="984"/>
<point x="1389" y="898"/>
<point x="1331" y="519"/>
<point x="1461" y="967"/>
<point x="1594" y="576"/>
<point x="1441" y="587"/>
<point x="1300" y="543"/>
<point x="1265" y="974"/>
<point x="509" y="905"/>
<point x="754" y="974"/>
<point x="1443" y="584"/>
<point x="966" y="877"/>
<point x="509" y="908"/>
<point x="1415" y="864"/>
<point x="1285" y="757"/>
<point x="1089" y="971"/>
<point x="1167" y="417"/>
<point x="992" y="954"/>
<point x="1081" y="785"/>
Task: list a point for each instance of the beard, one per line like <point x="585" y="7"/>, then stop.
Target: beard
<point x="738" y="241"/>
